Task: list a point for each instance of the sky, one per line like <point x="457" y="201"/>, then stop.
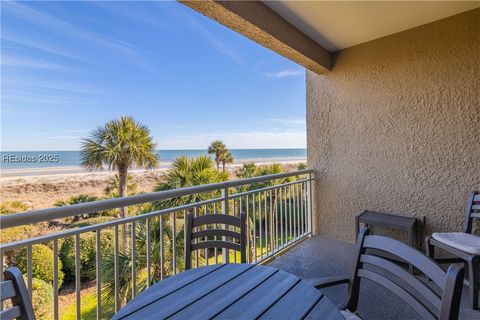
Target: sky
<point x="69" y="67"/>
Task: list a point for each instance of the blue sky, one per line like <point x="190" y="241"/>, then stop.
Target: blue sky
<point x="68" y="67"/>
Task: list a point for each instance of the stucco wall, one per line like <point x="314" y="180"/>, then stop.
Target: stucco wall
<point x="395" y="127"/>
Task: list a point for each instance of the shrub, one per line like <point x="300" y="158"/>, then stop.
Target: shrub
<point x="82" y="198"/>
<point x="42" y="263"/>
<point x="87" y="254"/>
<point x="90" y="222"/>
<point x="7" y="207"/>
<point x="302" y="166"/>
<point x="42" y="298"/>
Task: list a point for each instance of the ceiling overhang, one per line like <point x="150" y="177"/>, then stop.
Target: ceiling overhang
<point x="309" y="32"/>
<point x="260" y="23"/>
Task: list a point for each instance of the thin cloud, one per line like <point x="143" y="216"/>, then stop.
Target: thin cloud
<point x="70" y="31"/>
<point x="38" y="85"/>
<point x="132" y="12"/>
<point x="42" y="46"/>
<point x="285" y="74"/>
<point x="29" y="63"/>
<point x="211" y="38"/>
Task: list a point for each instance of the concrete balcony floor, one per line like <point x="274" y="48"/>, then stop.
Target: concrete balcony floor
<point x="321" y="256"/>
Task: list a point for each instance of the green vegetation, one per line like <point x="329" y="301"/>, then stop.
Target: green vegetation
<point x="222" y="154"/>
<point x="88" y="308"/>
<point x="7" y="207"/>
<point x="42" y="263"/>
<point x="119" y="145"/>
<point x="42" y="298"/>
<point x="91" y="222"/>
<point x="302" y="166"/>
<point x="82" y="198"/>
<point x="188" y="172"/>
<point x="87" y="253"/>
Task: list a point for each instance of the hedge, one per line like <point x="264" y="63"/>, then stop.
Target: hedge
<point x="42" y="263"/>
<point x="87" y="254"/>
<point x="42" y="298"/>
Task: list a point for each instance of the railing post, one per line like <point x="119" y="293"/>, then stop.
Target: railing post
<point x="225" y="209"/>
<point x="309" y="203"/>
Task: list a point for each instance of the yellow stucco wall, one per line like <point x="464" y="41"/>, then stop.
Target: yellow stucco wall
<point x="395" y="127"/>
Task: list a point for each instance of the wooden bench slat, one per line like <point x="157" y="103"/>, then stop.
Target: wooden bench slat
<point x="215" y="244"/>
<point x="216" y="218"/>
<point x="7" y="290"/>
<point x="215" y="232"/>
<point x="11" y="313"/>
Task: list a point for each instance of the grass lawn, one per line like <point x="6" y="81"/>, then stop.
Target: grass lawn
<point x="88" y="308"/>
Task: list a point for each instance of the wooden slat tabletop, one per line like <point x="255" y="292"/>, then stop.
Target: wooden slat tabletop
<point x="231" y="291"/>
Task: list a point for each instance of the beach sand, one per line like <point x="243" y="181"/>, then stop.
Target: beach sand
<point x="40" y="188"/>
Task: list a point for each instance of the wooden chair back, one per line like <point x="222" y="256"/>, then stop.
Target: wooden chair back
<point x="438" y="298"/>
<point x="13" y="288"/>
<point x="200" y="236"/>
<point x="472" y="211"/>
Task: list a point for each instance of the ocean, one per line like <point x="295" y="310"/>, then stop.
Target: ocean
<point x="54" y="159"/>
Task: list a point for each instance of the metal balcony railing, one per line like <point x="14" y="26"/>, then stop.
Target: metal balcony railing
<point x="144" y="248"/>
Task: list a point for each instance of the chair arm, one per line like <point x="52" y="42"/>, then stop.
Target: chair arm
<point x="326" y="282"/>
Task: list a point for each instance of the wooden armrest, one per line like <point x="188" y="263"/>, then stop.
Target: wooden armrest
<point x="326" y="282"/>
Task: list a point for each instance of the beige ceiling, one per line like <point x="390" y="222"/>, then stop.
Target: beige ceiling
<point x="340" y="24"/>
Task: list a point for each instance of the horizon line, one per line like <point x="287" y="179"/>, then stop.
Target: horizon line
<point x="193" y="149"/>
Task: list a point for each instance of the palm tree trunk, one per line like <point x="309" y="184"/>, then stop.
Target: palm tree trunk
<point x="223" y="166"/>
<point x="218" y="163"/>
<point x="122" y="182"/>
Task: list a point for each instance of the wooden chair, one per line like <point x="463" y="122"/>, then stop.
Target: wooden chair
<point x="435" y="299"/>
<point x="13" y="288"/>
<point x="464" y="245"/>
<point x="204" y="239"/>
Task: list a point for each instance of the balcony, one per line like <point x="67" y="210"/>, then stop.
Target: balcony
<point x="93" y="263"/>
<point x="279" y="214"/>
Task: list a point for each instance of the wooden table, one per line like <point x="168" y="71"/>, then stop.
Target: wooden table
<point x="231" y="291"/>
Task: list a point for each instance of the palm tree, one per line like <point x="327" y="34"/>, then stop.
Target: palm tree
<point x="226" y="158"/>
<point x="161" y="249"/>
<point x="188" y="172"/>
<point x="120" y="145"/>
<point x="217" y="148"/>
<point x="111" y="190"/>
<point x="247" y="170"/>
<point x="82" y="198"/>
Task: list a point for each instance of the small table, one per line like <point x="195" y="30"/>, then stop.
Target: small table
<point x="231" y="291"/>
<point x="407" y="224"/>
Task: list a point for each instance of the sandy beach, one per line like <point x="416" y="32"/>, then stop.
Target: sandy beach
<point x="41" y="187"/>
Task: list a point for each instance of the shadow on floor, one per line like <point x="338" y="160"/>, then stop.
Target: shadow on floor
<point x="321" y="256"/>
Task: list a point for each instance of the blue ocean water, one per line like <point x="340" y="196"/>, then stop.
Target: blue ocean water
<point x="46" y="159"/>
